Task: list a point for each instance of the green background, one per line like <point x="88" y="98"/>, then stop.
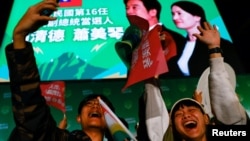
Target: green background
<point x="106" y="60"/>
<point x="126" y="103"/>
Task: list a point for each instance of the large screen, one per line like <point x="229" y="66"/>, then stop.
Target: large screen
<point x="79" y="45"/>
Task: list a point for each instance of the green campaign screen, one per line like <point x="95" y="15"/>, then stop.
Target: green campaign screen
<point x="79" y="45"/>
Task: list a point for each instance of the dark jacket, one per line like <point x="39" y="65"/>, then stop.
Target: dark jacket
<point x="199" y="59"/>
<point x="32" y="116"/>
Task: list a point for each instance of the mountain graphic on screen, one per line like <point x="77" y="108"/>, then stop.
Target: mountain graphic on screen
<point x="68" y="67"/>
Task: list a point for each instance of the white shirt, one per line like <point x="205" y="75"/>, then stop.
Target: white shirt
<point x="186" y="54"/>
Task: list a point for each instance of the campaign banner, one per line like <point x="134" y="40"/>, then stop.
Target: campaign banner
<point x="53" y="93"/>
<point x="148" y="59"/>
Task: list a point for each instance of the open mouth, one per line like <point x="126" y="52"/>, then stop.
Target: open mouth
<point x="95" y="114"/>
<point x="190" y="124"/>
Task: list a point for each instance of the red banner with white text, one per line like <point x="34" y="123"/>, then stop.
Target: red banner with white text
<point x="148" y="59"/>
<point x="53" y="92"/>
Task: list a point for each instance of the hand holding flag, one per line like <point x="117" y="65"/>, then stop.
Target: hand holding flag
<point x="63" y="123"/>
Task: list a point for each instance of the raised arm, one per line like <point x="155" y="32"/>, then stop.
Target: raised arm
<point x="31" y="114"/>
<point x="31" y="21"/>
<point x="223" y="98"/>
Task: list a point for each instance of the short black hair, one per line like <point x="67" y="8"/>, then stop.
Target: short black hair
<point x="94" y="96"/>
<point x="149" y="5"/>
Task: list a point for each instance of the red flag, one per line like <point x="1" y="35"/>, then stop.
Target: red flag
<point x="148" y="59"/>
<point x="53" y="92"/>
<point x="169" y="45"/>
<point x="70" y="3"/>
<point x="141" y="23"/>
<point x="167" y="41"/>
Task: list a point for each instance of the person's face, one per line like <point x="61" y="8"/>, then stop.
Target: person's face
<point x="190" y="122"/>
<point x="183" y="19"/>
<point x="92" y="116"/>
<point x="136" y="7"/>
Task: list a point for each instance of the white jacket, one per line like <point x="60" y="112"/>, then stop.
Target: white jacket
<point x="225" y="103"/>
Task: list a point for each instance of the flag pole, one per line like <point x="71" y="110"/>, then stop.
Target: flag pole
<point x="104" y="105"/>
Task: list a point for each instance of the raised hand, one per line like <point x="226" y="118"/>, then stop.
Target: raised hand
<point x="209" y="35"/>
<point x="31" y="21"/>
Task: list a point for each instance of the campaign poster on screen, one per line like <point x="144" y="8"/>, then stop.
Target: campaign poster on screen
<point x="79" y="45"/>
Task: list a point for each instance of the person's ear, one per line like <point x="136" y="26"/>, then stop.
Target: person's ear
<point x="153" y="12"/>
<point x="207" y="119"/>
<point x="198" y="18"/>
